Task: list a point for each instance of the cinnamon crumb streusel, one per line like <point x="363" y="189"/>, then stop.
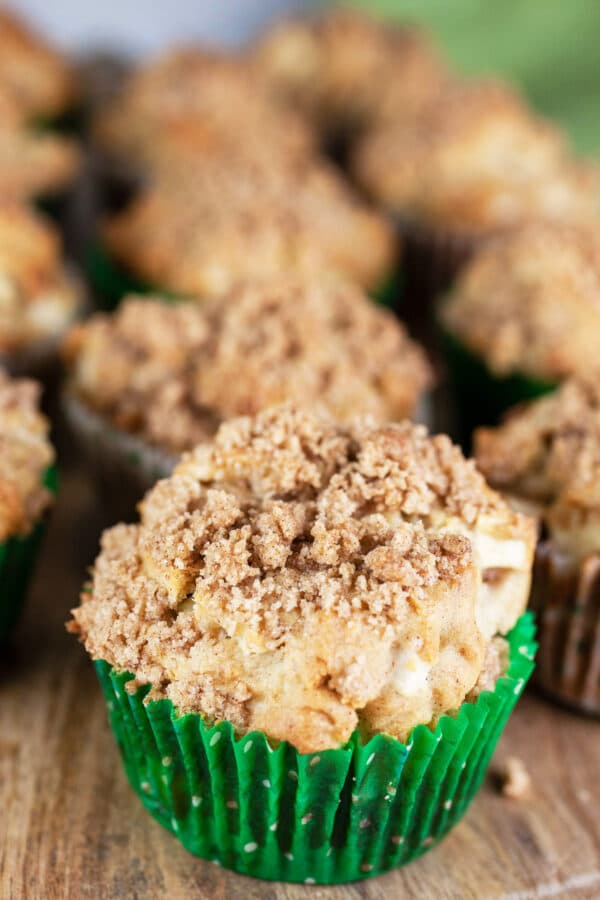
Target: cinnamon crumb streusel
<point x="25" y="454"/>
<point x="476" y="159"/>
<point x="38" y="297"/>
<point x="172" y="373"/>
<point x="305" y="578"/>
<point x="200" y="235"/>
<point x="546" y="457"/>
<point x="529" y="301"/>
<point x="343" y="68"/>
<point x="38" y="78"/>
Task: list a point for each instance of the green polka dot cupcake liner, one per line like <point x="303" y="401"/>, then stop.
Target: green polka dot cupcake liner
<point x="480" y="397"/>
<point x="566" y="601"/>
<point x="17" y="562"/>
<point x="112" y="282"/>
<point x="319" y="818"/>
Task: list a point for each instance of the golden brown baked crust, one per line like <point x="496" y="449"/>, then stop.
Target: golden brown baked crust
<point x="198" y="236"/>
<point x="200" y="100"/>
<point x="25" y="454"/>
<point x="172" y="373"/>
<point x="39" y="79"/>
<point x="476" y="159"/>
<point x="305" y="578"/>
<point x="546" y="457"/>
<point x="38" y="297"/>
<point x="529" y="301"/>
<point x="34" y="165"/>
<point x="344" y="68"/>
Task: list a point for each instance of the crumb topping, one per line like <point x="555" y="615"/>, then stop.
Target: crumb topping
<point x="200" y="235"/>
<point x="25" y="454"/>
<point x="302" y="577"/>
<point x="38" y="297"/>
<point x="529" y="301"/>
<point x="546" y="455"/>
<point x="35" y="165"/>
<point x="160" y="370"/>
<point x="476" y="159"/>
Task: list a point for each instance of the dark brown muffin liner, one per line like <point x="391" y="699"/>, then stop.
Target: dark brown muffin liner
<point x="123" y="466"/>
<point x="567" y="602"/>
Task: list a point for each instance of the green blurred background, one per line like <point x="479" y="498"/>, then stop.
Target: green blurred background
<point x="550" y="48"/>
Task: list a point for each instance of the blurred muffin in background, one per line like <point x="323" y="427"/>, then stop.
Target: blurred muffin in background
<point x="201" y="230"/>
<point x="26" y="457"/>
<point x="39" y="297"/>
<point x="472" y="162"/>
<point x="342" y="69"/>
<point x="35" y="166"/>
<point x="162" y="377"/>
<point x="523" y="316"/>
<point x="545" y="457"/>
<point x="38" y="78"/>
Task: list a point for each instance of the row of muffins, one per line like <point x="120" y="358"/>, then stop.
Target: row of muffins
<point x="272" y="539"/>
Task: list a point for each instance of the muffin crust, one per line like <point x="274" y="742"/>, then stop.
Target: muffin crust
<point x="529" y="301"/>
<point x="25" y="454"/>
<point x="35" y="165"/>
<point x="172" y="373"/>
<point x="305" y="579"/>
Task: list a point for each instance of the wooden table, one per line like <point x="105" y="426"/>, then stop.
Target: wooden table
<point x="71" y="828"/>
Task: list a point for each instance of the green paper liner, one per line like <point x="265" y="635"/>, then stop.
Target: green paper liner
<point x="17" y="561"/>
<point x="480" y="397"/>
<point x="388" y="293"/>
<point x="566" y="600"/>
<point x="123" y="465"/>
<point x="327" y="817"/>
<point x="111" y="282"/>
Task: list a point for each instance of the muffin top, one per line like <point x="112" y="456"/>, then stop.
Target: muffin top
<point x="39" y="79"/>
<point x="546" y="457"/>
<point x="161" y="370"/>
<point x="343" y="68"/>
<point x="475" y="160"/>
<point x="199" y="235"/>
<point x="35" y="165"/>
<point x="529" y="301"/>
<point x="25" y="454"/>
<point x="211" y="100"/>
<point x="38" y="297"/>
<point x="305" y="578"/>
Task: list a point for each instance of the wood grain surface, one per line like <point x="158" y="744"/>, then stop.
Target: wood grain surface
<point x="70" y="826"/>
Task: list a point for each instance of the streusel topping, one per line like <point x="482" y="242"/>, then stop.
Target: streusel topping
<point x="343" y="68"/>
<point x="529" y="301"/>
<point x="302" y="578"/>
<point x="38" y="297"/>
<point x="200" y="235"/>
<point x="25" y="454"/>
<point x="546" y="456"/>
<point x="172" y="373"/>
<point x="477" y="159"/>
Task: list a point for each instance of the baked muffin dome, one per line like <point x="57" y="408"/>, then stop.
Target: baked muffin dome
<point x="199" y="234"/>
<point x="25" y="454"/>
<point x="546" y="457"/>
<point x="171" y="373"/>
<point x="38" y="297"/>
<point x="38" y="78"/>
<point x="343" y="68"/>
<point x="474" y="160"/>
<point x="35" y="165"/>
<point x="304" y="578"/>
<point x="529" y="302"/>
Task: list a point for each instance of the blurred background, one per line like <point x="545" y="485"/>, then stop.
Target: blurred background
<point x="548" y="47"/>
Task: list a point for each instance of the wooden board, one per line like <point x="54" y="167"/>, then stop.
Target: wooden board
<point x="71" y="828"/>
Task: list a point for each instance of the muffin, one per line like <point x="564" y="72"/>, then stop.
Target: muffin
<point x="39" y="80"/>
<point x="153" y="380"/>
<point x="523" y="316"/>
<point x="26" y="480"/>
<point x="39" y="297"/>
<point x="302" y="654"/>
<point x="198" y="234"/>
<point x="545" y="457"/>
<point x="471" y="163"/>
<point x="343" y="69"/>
<point x="36" y="167"/>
